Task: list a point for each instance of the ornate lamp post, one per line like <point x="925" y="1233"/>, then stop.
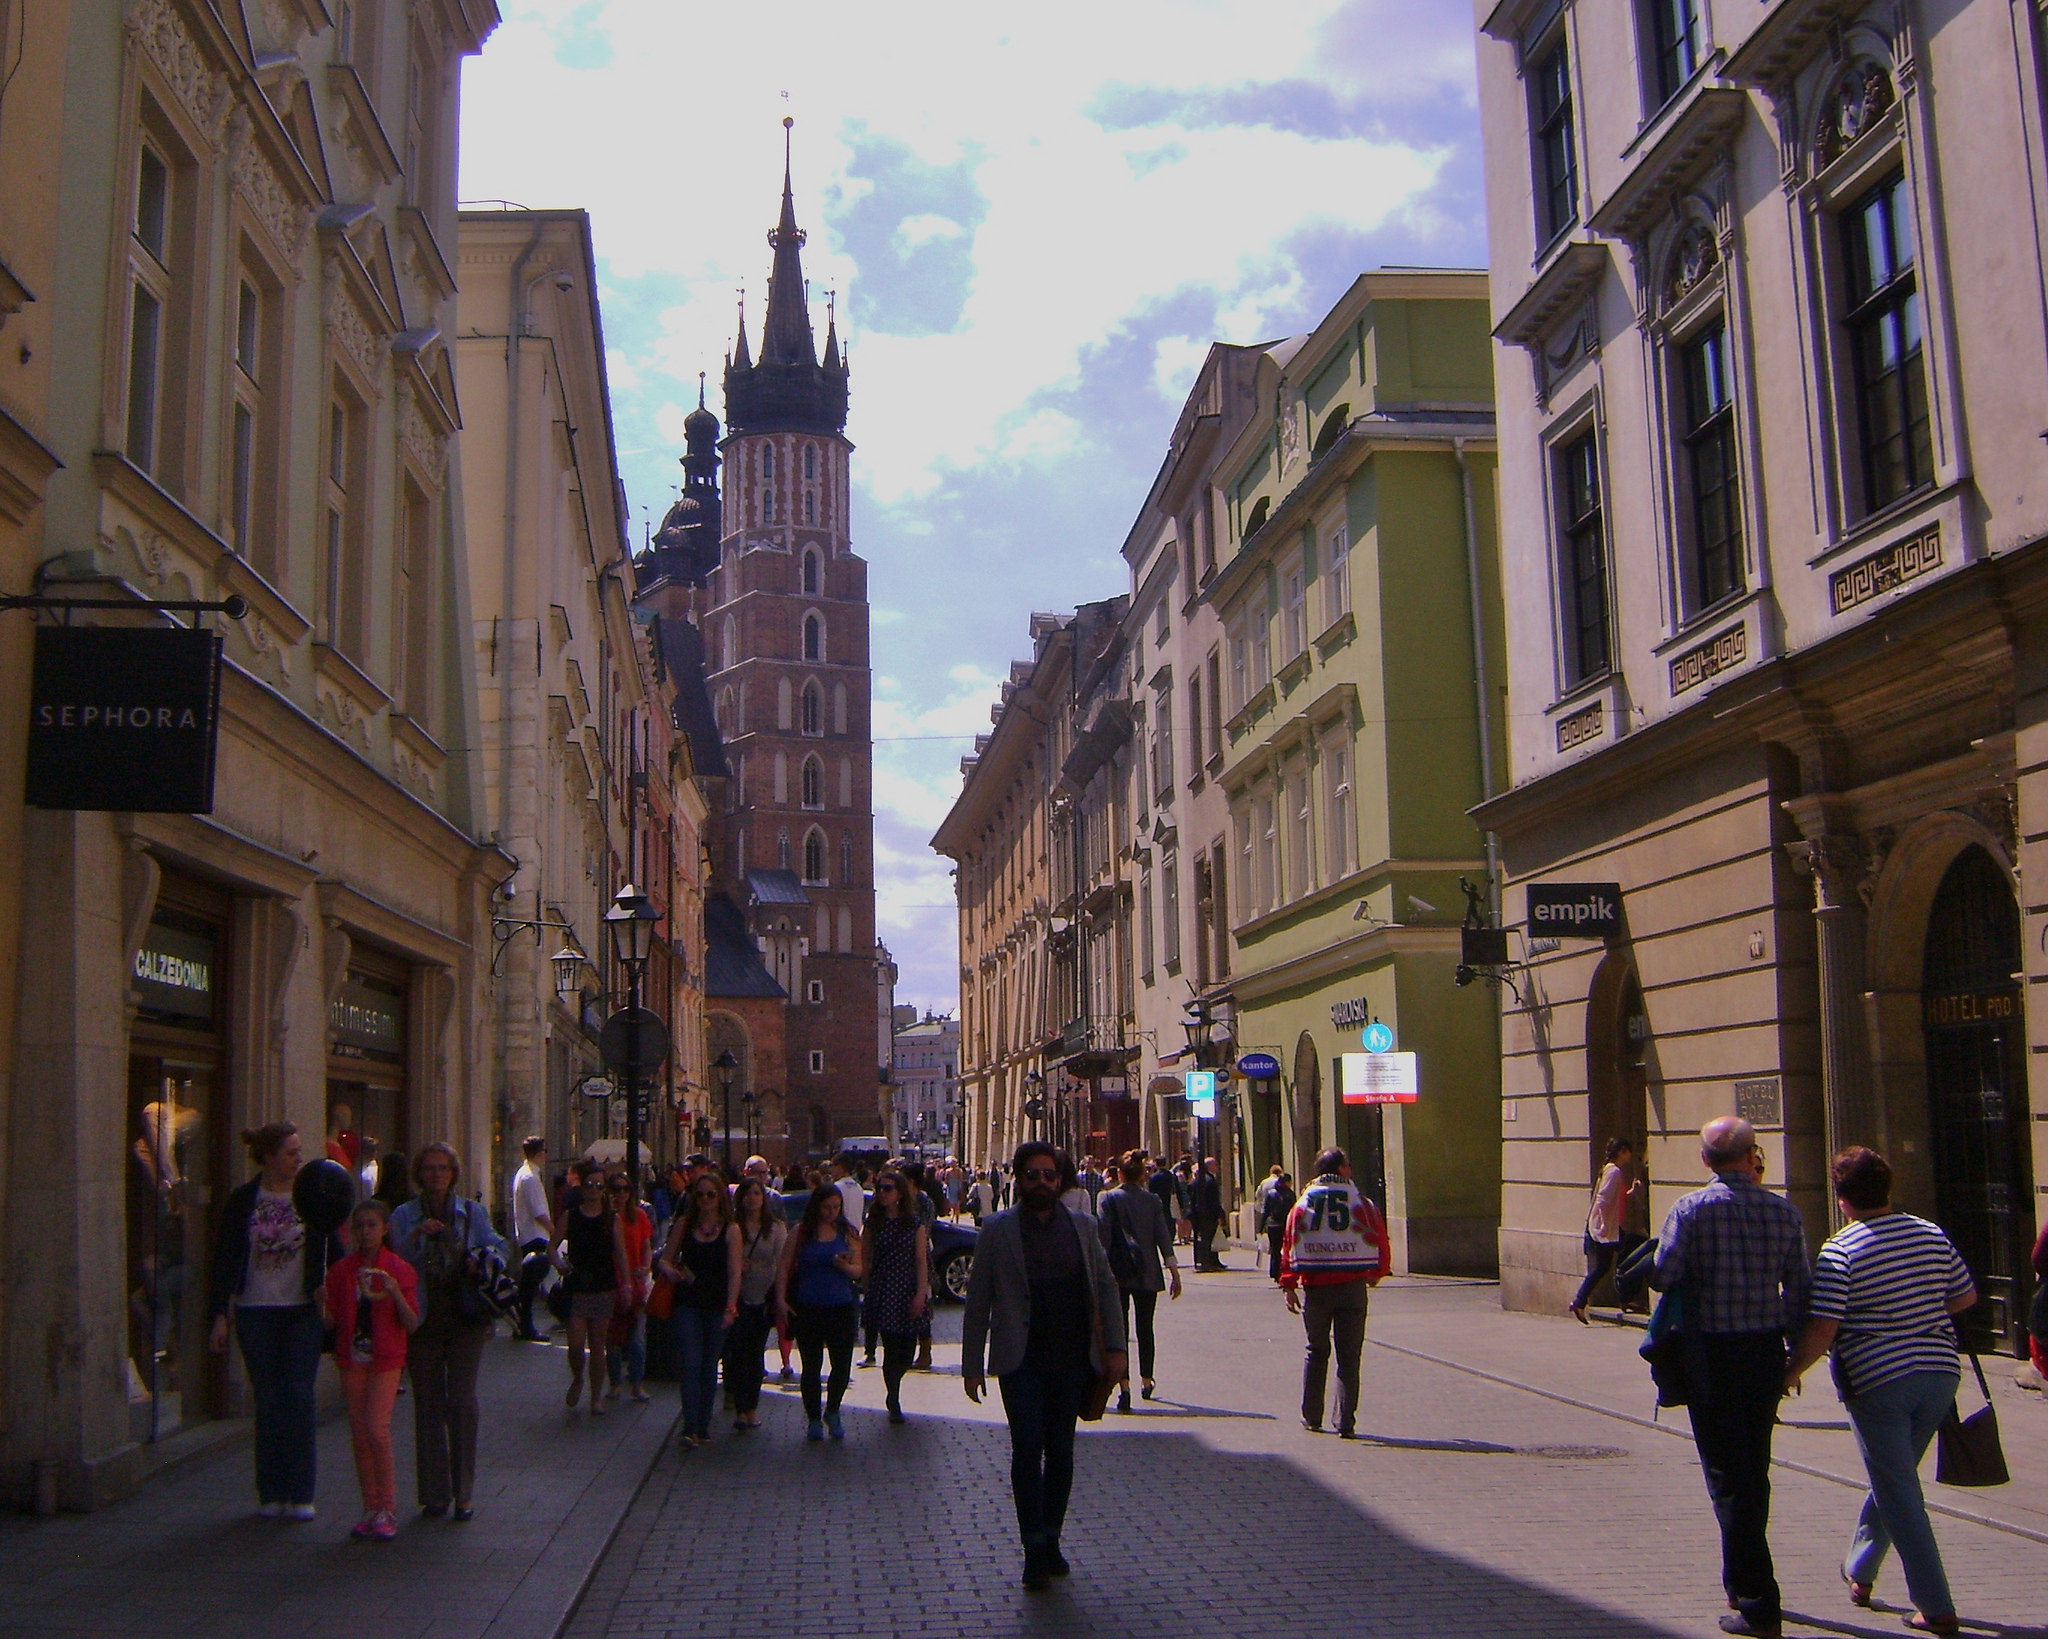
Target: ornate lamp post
<point x="750" y="1104"/>
<point x="1198" y="1022"/>
<point x="725" y="1064"/>
<point x="630" y="922"/>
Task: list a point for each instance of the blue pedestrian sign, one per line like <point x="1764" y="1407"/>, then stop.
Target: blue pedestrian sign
<point x="1379" y="1038"/>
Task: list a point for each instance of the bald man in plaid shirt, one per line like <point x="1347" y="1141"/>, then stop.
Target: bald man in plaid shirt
<point x="1736" y="1255"/>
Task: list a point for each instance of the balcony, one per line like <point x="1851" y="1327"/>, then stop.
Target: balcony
<point x="1094" y="1045"/>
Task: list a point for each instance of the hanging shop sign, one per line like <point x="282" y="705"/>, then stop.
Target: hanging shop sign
<point x="1112" y="1086"/>
<point x="174" y="973"/>
<point x="1258" y="1066"/>
<point x="1574" y="910"/>
<point x="1377" y="1078"/>
<point x="124" y="718"/>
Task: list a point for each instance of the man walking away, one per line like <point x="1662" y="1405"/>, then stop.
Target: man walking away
<point x="1336" y="1250"/>
<point x="533" y="1232"/>
<point x="1736" y="1254"/>
<point x="1205" y="1206"/>
<point x="1276" y="1205"/>
<point x="1044" y="1309"/>
<point x="847" y="1182"/>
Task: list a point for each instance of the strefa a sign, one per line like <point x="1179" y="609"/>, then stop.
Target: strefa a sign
<point x="1574" y="910"/>
<point x="124" y="718"/>
<point x="1377" y="1078"/>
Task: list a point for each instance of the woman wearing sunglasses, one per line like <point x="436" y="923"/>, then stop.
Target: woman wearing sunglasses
<point x="703" y="1258"/>
<point x="899" y="1277"/>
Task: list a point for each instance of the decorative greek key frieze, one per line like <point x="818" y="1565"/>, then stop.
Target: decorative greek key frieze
<point x="1886" y="569"/>
<point x="157" y="28"/>
<point x="1581" y="726"/>
<point x="1717" y="654"/>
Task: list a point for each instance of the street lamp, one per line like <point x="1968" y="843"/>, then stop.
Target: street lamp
<point x="1198" y="1022"/>
<point x="750" y="1103"/>
<point x="1034" y="1100"/>
<point x="568" y="965"/>
<point x="630" y="922"/>
<point x="725" y="1064"/>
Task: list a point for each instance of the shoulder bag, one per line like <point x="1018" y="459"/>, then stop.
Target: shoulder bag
<point x="1967" y="1451"/>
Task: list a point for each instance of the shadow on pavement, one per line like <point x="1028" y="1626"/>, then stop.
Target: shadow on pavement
<point x="918" y="1517"/>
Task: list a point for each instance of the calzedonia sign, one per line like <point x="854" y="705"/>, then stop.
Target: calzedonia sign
<point x="124" y="718"/>
<point x="1574" y="910"/>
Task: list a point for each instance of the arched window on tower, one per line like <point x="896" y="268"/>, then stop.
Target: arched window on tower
<point x="814" y="709"/>
<point x="768" y="462"/>
<point x="767" y="506"/>
<point x="810" y="506"/>
<point x="729" y="644"/>
<point x="814" y="571"/>
<point x="813" y="783"/>
<point x="810" y="461"/>
<point x="838" y="708"/>
<point x="782" y="851"/>
<point x="814" y="856"/>
<point x="845" y="931"/>
<point x="814" y="637"/>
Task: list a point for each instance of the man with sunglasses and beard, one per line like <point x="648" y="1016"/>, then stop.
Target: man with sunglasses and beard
<point x="1044" y="1313"/>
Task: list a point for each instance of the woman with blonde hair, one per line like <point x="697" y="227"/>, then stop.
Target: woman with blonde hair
<point x="703" y="1258"/>
<point x="440" y="1234"/>
<point x="590" y="1253"/>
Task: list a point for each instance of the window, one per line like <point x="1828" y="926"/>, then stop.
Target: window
<point x="1162" y="619"/>
<point x="343" y="572"/>
<point x="1708" y="436"/>
<point x="812" y="782"/>
<point x="1674" y="41"/>
<point x="1242" y="822"/>
<point x="813" y="571"/>
<point x="1194" y="723"/>
<point x="1169" y="912"/>
<point x="1145" y="925"/>
<point x="814" y="709"/>
<point x="814" y="856"/>
<point x="1336" y="575"/>
<point x="1582" y="576"/>
<point x="782" y="851"/>
<point x="1293" y="611"/>
<point x="1550" y="122"/>
<point x="767" y="506"/>
<point x="247" y="398"/>
<point x="814" y="638"/>
<point x="1883" y="321"/>
<point x="1339" y="828"/>
<point x="810" y="462"/>
<point x="149" y="298"/>
<point x="413" y="611"/>
<point x="810" y="506"/>
<point x="838" y="708"/>
<point x="816" y="990"/>
<point x="846" y="860"/>
<point x="1240" y="670"/>
<point x="845" y="918"/>
<point x="1162" y="745"/>
<point x="768" y="462"/>
<point x="1261" y="634"/>
<point x="817" y="1069"/>
<point x="1221" y="916"/>
<point x="1268" y="842"/>
<point x="1215" y="719"/>
<point x="1300" y="859"/>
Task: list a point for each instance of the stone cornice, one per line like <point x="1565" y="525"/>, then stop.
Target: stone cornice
<point x="1778" y="45"/>
<point x="26" y="463"/>
<point x="1701" y="127"/>
<point x="1572" y="273"/>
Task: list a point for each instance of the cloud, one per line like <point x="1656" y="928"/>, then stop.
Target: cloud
<point x="1029" y="245"/>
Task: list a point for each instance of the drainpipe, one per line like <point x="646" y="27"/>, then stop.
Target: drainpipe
<point x="1480" y="685"/>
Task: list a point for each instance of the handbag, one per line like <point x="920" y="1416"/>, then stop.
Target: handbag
<point x="1663" y="1350"/>
<point x="661" y="1302"/>
<point x="1967" y="1452"/>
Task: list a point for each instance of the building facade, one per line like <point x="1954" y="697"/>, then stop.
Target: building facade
<point x="1771" y="334"/>
<point x="1346" y="722"/>
<point x="926" y="1082"/>
<point x="585" y="781"/>
<point x="252" y="393"/>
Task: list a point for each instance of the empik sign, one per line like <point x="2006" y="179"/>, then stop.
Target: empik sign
<point x="1574" y="910"/>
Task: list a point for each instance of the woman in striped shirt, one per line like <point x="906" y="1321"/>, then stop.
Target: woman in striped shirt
<point x="1884" y="1290"/>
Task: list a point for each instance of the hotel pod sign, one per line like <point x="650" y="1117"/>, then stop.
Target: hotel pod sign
<point x="124" y="718"/>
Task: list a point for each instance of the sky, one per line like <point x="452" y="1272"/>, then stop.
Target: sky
<point x="1032" y="221"/>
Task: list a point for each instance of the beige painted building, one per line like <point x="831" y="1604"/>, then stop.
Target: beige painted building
<point x="574" y="710"/>
<point x="1768" y="283"/>
<point x="251" y="392"/>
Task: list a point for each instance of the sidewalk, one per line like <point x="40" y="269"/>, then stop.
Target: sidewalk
<point x="1596" y="1368"/>
<point x="187" y="1555"/>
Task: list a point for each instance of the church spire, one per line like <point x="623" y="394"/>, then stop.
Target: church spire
<point x="786" y="332"/>
<point x="741" y="359"/>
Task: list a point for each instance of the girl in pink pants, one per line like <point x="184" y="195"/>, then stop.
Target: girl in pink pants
<point x="373" y="1301"/>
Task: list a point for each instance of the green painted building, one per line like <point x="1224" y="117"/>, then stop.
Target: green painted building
<point x="1360" y="717"/>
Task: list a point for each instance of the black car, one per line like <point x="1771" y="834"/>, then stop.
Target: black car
<point x="952" y="1249"/>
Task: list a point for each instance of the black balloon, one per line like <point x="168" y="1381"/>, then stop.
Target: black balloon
<point x="324" y="1194"/>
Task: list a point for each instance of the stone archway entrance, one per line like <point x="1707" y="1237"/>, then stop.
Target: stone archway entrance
<point x="1975" y="1032"/>
<point x="1617" y="1073"/>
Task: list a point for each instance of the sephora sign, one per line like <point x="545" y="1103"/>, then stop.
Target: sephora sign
<point x="124" y="718"/>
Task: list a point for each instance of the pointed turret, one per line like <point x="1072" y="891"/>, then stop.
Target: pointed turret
<point x="740" y="358"/>
<point x="831" y="336"/>
<point x="788" y="390"/>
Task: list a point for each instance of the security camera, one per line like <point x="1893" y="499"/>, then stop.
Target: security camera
<point x="1421" y="907"/>
<point x="564" y="283"/>
<point x="1462" y="976"/>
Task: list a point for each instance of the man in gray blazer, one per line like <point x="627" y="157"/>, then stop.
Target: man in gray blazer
<point x="1042" y="1285"/>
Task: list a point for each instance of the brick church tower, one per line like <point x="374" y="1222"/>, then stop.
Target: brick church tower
<point x="784" y="618"/>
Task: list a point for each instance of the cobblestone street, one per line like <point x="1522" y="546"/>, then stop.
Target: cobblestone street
<point x="1472" y="1507"/>
<point x="1510" y="1481"/>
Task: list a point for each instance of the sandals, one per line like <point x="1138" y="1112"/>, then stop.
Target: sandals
<point x="1921" y="1622"/>
<point x="1859" y="1592"/>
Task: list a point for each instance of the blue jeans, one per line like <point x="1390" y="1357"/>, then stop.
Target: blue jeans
<point x="281" y="1348"/>
<point x="1042" y="1407"/>
<point x="700" y="1334"/>
<point x="1894" y="1423"/>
